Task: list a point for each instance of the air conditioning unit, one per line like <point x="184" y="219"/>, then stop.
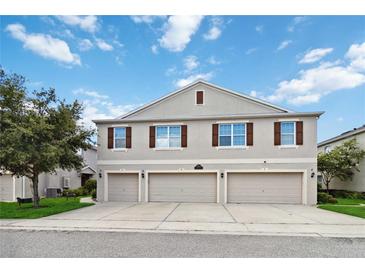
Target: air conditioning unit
<point x="66" y="182"/>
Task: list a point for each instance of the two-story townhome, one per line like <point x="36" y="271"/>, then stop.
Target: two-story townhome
<point x="358" y="180"/>
<point x="205" y="143"/>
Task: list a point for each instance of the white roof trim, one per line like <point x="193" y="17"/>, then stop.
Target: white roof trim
<point x="84" y="168"/>
<point x="206" y="83"/>
<point x="342" y="136"/>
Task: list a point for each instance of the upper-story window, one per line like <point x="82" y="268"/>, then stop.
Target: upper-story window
<point x="168" y="136"/>
<point x="287" y="133"/>
<point x="120" y="137"/>
<point x="232" y="135"/>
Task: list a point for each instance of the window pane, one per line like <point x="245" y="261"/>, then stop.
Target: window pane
<point x="120" y="143"/>
<point x="175" y="142"/>
<point x="225" y="140"/>
<point x="238" y="129"/>
<point x="119" y="132"/>
<point x="238" y="140"/>
<point x="162" y="142"/>
<point x="225" y="129"/>
<point x="287" y="127"/>
<point x="175" y="131"/>
<point x="287" y="139"/>
<point x="161" y="131"/>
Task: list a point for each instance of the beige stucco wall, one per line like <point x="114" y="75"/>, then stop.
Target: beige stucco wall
<point x="358" y="181"/>
<point x="200" y="151"/>
<point x="183" y="105"/>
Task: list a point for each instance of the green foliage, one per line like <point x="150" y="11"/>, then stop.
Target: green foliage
<point x="38" y="132"/>
<point x="347" y="194"/>
<point x="90" y="185"/>
<point x="324" y="198"/>
<point x="48" y="206"/>
<point x="93" y="194"/>
<point x="341" y="162"/>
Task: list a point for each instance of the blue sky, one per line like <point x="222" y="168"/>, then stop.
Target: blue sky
<point x="116" y="63"/>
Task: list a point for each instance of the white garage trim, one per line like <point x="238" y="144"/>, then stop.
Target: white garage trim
<point x="106" y="172"/>
<point x="179" y="171"/>
<point x="303" y="171"/>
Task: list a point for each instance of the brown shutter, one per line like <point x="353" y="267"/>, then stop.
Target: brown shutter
<point x="249" y="134"/>
<point x="277" y="134"/>
<point x="152" y="136"/>
<point x="184" y="136"/>
<point x="128" y="134"/>
<point x="215" y="135"/>
<point x="299" y="133"/>
<point x="110" y="137"/>
<point x="199" y="97"/>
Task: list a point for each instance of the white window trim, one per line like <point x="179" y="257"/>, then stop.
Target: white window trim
<point x="168" y="148"/>
<point x="120" y="148"/>
<point x="232" y="146"/>
<point x="168" y="137"/>
<point x="295" y="135"/>
<point x="196" y="91"/>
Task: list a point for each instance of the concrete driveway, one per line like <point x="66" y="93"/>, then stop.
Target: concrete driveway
<point x="245" y="219"/>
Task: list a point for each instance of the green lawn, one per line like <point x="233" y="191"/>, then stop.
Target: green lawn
<point x="49" y="206"/>
<point x="347" y="206"/>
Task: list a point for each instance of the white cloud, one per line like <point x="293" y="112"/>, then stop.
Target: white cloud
<point x="297" y="21"/>
<point x="284" y="44"/>
<point x="87" y="23"/>
<point x="147" y="19"/>
<point x="259" y="28"/>
<point x="191" y="62"/>
<point x="215" y="30"/>
<point x="213" y="33"/>
<point x="250" y="51"/>
<point x="85" y="44"/>
<point x="339" y="119"/>
<point x="154" y="49"/>
<point x="314" y="83"/>
<point x="253" y="93"/>
<point x="356" y="54"/>
<point x="185" y="81"/>
<point x="178" y="32"/>
<point x="171" y="71"/>
<point x="99" y="106"/>
<point x="315" y="55"/>
<point x="104" y="46"/>
<point x="213" y="61"/>
<point x="44" y="45"/>
<point x="90" y="93"/>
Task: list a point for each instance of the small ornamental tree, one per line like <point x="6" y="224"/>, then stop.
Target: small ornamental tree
<point x="341" y="162"/>
<point x="38" y="132"/>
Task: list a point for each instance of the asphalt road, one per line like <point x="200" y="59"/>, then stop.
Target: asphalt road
<point x="128" y="244"/>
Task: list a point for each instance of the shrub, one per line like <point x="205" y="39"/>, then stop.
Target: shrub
<point x="347" y="194"/>
<point x="93" y="194"/>
<point x="90" y="185"/>
<point x="324" y="198"/>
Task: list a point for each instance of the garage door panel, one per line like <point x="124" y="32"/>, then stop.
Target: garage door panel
<point x="172" y="187"/>
<point x="123" y="187"/>
<point x="264" y="188"/>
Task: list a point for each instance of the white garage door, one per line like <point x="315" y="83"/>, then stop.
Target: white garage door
<point x="183" y="187"/>
<point x="264" y="188"/>
<point x="6" y="188"/>
<point x="122" y="187"/>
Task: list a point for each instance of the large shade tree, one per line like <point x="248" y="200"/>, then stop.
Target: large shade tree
<point x="341" y="162"/>
<point x="38" y="132"/>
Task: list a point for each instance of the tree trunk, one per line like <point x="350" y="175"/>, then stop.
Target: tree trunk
<point x="327" y="187"/>
<point x="35" y="191"/>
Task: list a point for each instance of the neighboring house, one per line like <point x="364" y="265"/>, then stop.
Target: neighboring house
<point x="13" y="186"/>
<point x="358" y="181"/>
<point x="204" y="143"/>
